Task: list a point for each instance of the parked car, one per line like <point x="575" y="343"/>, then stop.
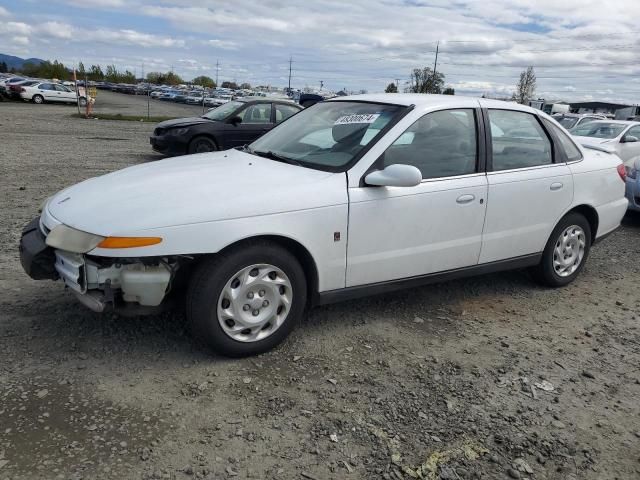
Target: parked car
<point x="572" y="120"/>
<point x="234" y="124"/>
<point x="43" y="92"/>
<point x="350" y="197"/>
<point x="14" y="89"/>
<point x="618" y="136"/>
<point x="633" y="184"/>
<point x="7" y="82"/>
<point x="194" y="98"/>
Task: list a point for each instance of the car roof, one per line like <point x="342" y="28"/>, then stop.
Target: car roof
<point x="431" y="100"/>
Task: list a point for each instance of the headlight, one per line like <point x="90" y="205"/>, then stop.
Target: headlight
<point x="179" y="131"/>
<point x="72" y="240"/>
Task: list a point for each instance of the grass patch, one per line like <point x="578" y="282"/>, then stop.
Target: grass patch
<point x="126" y="118"/>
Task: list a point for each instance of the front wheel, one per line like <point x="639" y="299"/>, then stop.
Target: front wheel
<point x="566" y="252"/>
<point x="202" y="145"/>
<point x="39" y="99"/>
<point x="246" y="301"/>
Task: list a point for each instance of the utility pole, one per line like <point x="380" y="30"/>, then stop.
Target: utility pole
<point x="217" y="71"/>
<point x="142" y="71"/>
<point x="435" y="63"/>
<point x="398" y="84"/>
<point x="290" y="61"/>
<point x="321" y="84"/>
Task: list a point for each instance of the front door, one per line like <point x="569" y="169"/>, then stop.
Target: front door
<point x="528" y="191"/>
<point x="257" y="119"/>
<point x="401" y="232"/>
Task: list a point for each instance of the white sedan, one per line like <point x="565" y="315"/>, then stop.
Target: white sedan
<point x="350" y="197"/>
<point x="42" y="92"/>
<point x="617" y="136"/>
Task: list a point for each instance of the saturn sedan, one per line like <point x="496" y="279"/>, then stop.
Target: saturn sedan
<point x="353" y="196"/>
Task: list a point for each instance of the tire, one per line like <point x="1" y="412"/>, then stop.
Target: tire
<point x="38" y="99"/>
<point x="202" y="145"/>
<point x="566" y="252"/>
<point x="82" y="101"/>
<point x="260" y="286"/>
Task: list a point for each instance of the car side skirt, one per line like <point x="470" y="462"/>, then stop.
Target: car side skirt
<point x="349" y="293"/>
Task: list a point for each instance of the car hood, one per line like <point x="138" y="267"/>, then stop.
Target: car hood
<point x="193" y="189"/>
<point x="594" y="141"/>
<point x="182" y="122"/>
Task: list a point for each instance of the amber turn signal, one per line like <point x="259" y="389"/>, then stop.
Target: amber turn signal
<point x="128" y="242"/>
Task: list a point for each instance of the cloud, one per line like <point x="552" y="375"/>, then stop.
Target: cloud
<point x="20" y="40"/>
<point x="4" y="12"/>
<point x="578" y="47"/>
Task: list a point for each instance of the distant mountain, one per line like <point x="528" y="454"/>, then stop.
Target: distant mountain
<point x="17" y="62"/>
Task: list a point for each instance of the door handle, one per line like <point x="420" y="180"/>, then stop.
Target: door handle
<point x="556" y="186"/>
<point x="462" y="199"/>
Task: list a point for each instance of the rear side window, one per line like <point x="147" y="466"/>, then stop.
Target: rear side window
<point x="519" y="141"/>
<point x="570" y="149"/>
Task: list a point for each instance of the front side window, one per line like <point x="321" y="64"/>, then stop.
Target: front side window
<point x="518" y="140"/>
<point x="61" y="88"/>
<point x="440" y="144"/>
<point x="257" y="113"/>
<point x="328" y="135"/>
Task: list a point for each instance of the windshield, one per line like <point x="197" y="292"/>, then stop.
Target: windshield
<point x="599" y="130"/>
<point x="327" y="135"/>
<point x="223" y="111"/>
<point x="566" y="122"/>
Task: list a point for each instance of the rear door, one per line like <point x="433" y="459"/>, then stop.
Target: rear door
<point x="47" y="91"/>
<point x="530" y="185"/>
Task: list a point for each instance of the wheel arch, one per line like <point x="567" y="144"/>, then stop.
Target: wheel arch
<point x="205" y="135"/>
<point x="302" y="254"/>
<point x="591" y="214"/>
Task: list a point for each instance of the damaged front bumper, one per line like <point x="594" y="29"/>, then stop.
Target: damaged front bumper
<point x="97" y="282"/>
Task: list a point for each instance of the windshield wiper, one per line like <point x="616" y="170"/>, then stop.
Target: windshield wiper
<point x="274" y="156"/>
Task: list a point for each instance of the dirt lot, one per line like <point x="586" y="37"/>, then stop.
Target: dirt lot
<point x="435" y="382"/>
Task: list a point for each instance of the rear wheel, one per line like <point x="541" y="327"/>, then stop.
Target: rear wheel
<point x="202" y="145"/>
<point x="39" y="99"/>
<point x="246" y="301"/>
<point x="566" y="252"/>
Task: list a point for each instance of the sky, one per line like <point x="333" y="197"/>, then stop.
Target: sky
<point x="580" y="49"/>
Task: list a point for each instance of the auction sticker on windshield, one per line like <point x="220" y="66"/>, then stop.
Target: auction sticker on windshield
<point x="357" y="118"/>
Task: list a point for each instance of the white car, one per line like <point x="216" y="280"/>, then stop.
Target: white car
<point x="50" y="92"/>
<point x="573" y="120"/>
<point x="350" y="197"/>
<point x="621" y="137"/>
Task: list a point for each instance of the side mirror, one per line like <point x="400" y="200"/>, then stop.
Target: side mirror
<point x="396" y="175"/>
<point x="629" y="139"/>
<point x="235" y="120"/>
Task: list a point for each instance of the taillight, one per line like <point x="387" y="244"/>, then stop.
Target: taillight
<point x="622" y="172"/>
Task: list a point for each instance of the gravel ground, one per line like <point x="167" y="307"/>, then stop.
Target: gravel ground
<point x="442" y="382"/>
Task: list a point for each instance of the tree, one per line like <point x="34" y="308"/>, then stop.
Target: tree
<point x="449" y="91"/>
<point x="81" y="70"/>
<point x="424" y="81"/>
<point x="231" y="85"/>
<point x="526" y="87"/>
<point x="95" y="73"/>
<point x="245" y="86"/>
<point x="391" y="88"/>
<point x="3" y="67"/>
<point x="204" y="81"/>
